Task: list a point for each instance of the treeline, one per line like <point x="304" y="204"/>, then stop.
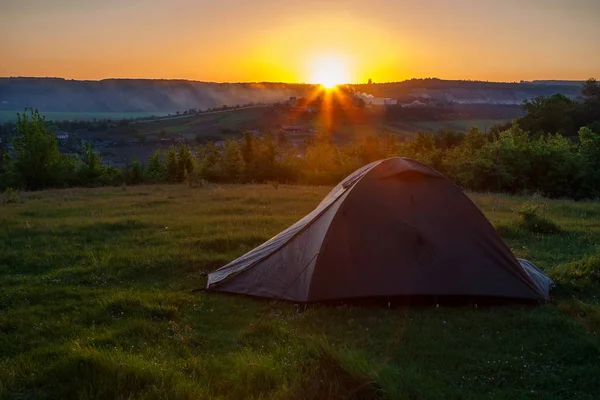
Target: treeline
<point x="510" y="160"/>
<point x="560" y="114"/>
<point x="545" y="151"/>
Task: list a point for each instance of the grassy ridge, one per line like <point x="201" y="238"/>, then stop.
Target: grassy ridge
<point x="96" y="302"/>
<point x="11" y="116"/>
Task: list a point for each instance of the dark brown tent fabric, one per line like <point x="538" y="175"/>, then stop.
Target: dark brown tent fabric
<point x="392" y="228"/>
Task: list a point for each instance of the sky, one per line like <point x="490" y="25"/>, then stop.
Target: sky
<point x="294" y="41"/>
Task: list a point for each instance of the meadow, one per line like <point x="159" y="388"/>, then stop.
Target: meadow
<point x="215" y="125"/>
<point x="98" y="299"/>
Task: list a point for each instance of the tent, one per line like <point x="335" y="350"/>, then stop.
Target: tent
<point x="392" y="228"/>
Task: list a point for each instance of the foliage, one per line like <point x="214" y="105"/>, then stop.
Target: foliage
<point x="156" y="170"/>
<point x="185" y="162"/>
<point x="11" y="196"/>
<point x="532" y="221"/>
<point x="511" y="161"/>
<point x="90" y="171"/>
<point x="589" y="151"/>
<point x="552" y="114"/>
<point x="37" y="161"/>
<point x="538" y="153"/>
<point x="172" y="165"/>
<point x="559" y="114"/>
<point x="133" y="173"/>
<point x="591" y="102"/>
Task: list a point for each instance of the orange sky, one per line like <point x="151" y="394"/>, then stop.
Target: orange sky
<point x="279" y="40"/>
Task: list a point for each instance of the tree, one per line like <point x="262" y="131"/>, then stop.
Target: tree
<point x="210" y="162"/>
<point x="38" y="162"/>
<point x="474" y="139"/>
<point x="591" y="91"/>
<point x="591" y="101"/>
<point x="554" y="114"/>
<point x="247" y="151"/>
<point x="172" y="166"/>
<point x="156" y="171"/>
<point x="370" y="82"/>
<point x="133" y="173"/>
<point x="589" y="149"/>
<point x="90" y="170"/>
<point x="8" y="176"/>
<point x="233" y="163"/>
<point x="185" y="162"/>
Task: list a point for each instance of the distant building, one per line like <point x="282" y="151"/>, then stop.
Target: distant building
<point x="380" y="101"/>
<point x="61" y="135"/>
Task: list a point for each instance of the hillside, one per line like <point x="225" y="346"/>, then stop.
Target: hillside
<point x="469" y="92"/>
<point x="97" y="302"/>
<point x="168" y="96"/>
<point x="135" y="95"/>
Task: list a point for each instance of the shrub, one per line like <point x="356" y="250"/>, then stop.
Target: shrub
<point x="133" y="173"/>
<point x="90" y="170"/>
<point x="11" y="196"/>
<point x="532" y="221"/>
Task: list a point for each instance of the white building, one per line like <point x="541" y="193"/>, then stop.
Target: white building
<point x="61" y="135"/>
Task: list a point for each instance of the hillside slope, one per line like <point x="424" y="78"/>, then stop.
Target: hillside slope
<point x="135" y="95"/>
<point x="164" y="96"/>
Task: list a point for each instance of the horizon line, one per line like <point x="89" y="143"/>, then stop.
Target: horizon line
<point x="288" y="83"/>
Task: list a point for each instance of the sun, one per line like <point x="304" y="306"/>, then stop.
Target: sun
<point x="329" y="71"/>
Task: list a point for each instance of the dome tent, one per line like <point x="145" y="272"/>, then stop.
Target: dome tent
<point x="392" y="228"/>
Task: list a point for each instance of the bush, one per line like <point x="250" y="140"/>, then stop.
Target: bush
<point x="532" y="221"/>
<point x="11" y="196"/>
<point x="133" y="173"/>
<point x="90" y="171"/>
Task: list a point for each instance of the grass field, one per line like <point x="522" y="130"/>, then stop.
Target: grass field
<point x="214" y="126"/>
<point x="96" y="301"/>
<point x="410" y="128"/>
<point x="11" y="116"/>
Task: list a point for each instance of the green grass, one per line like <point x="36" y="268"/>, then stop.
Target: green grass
<point x="96" y="301"/>
<point x="410" y="128"/>
<point x="460" y="125"/>
<point x="11" y="116"/>
<point x="209" y="125"/>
